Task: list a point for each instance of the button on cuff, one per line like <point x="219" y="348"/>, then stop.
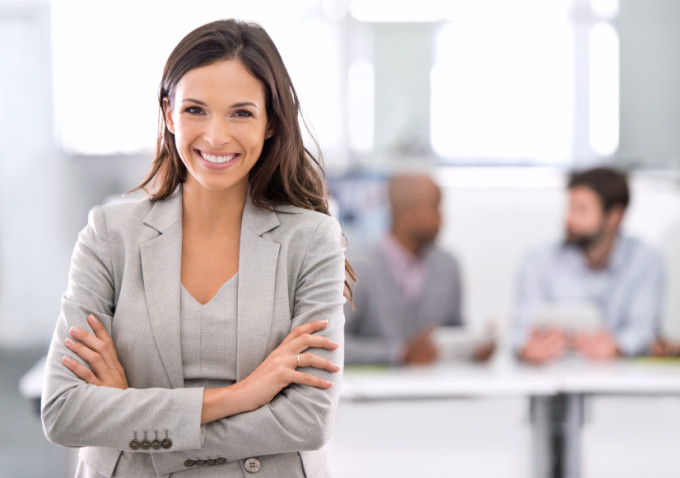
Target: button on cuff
<point x="252" y="465"/>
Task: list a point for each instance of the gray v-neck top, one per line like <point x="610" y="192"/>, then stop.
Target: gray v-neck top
<point x="209" y="334"/>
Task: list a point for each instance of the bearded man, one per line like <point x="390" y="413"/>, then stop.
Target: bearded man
<point x="595" y="264"/>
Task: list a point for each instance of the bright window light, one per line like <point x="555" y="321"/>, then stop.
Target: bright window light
<point x="396" y="10"/>
<point x="456" y="10"/>
<point x="108" y="62"/>
<point x="604" y="89"/>
<point x="504" y="89"/>
<point x="605" y="9"/>
<point x="361" y="105"/>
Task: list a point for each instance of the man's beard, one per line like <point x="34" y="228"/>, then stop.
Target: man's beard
<point x="584" y="241"/>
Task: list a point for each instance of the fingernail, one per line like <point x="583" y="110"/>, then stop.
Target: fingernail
<point x="75" y="330"/>
<point x="69" y="341"/>
<point x="334" y="346"/>
<point x="329" y="384"/>
<point x="336" y="367"/>
<point x="324" y="322"/>
<point x="92" y="319"/>
<point x="67" y="359"/>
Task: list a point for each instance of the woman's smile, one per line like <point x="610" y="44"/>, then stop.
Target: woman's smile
<point x="217" y="160"/>
<point x="219" y="121"/>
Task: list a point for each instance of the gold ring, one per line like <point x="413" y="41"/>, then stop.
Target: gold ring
<point x="298" y="357"/>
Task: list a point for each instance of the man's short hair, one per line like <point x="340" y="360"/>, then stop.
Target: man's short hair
<point x="610" y="185"/>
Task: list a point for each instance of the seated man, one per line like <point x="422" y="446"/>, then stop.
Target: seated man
<point x="406" y="284"/>
<point x="595" y="264"/>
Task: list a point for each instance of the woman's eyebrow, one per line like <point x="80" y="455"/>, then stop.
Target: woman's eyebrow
<point x="244" y="103"/>
<point x="240" y="104"/>
<point x="193" y="100"/>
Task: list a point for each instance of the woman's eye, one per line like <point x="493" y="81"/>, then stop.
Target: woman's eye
<point x="194" y="110"/>
<point x="243" y="114"/>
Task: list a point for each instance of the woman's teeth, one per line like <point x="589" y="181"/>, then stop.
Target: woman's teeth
<point x="217" y="159"/>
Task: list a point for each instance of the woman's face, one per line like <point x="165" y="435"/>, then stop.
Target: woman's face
<point x="219" y="120"/>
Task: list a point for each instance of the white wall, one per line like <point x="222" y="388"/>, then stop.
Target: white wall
<point x="44" y="196"/>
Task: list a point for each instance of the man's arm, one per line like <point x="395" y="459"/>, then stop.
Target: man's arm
<point x="643" y="309"/>
<point x="532" y="345"/>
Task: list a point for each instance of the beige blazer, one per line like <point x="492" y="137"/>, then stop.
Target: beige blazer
<point x="125" y="269"/>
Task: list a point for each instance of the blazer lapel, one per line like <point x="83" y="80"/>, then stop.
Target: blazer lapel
<point x="258" y="258"/>
<point x="161" y="259"/>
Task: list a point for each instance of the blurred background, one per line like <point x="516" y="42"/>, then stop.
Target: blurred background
<point x="497" y="99"/>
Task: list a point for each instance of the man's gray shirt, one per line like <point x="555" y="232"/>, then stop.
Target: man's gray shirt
<point x="384" y="319"/>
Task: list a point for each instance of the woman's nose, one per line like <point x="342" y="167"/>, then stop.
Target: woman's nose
<point x="217" y="133"/>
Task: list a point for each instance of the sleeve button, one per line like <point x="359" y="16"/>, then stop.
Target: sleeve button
<point x="166" y="443"/>
<point x="134" y="445"/>
<point x="189" y="463"/>
<point x="156" y="444"/>
<point x="252" y="465"/>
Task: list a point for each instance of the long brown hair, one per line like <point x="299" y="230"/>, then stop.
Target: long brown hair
<point x="286" y="172"/>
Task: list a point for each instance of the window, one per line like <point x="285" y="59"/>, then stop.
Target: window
<point x="108" y="59"/>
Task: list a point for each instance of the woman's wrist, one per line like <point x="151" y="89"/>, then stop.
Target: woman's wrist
<point x="223" y="402"/>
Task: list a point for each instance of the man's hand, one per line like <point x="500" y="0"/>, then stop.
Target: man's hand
<point x="484" y="352"/>
<point x="544" y="345"/>
<point x="421" y="349"/>
<point x="664" y="348"/>
<point x="596" y="345"/>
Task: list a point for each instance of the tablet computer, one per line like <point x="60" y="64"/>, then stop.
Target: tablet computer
<point x="570" y="317"/>
<point x="459" y="343"/>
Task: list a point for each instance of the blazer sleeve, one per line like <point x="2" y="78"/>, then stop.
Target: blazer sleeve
<point x="300" y="417"/>
<point x="77" y="414"/>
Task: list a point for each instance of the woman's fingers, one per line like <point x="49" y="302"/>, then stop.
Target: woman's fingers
<point x="311" y="380"/>
<point x="308" y="328"/>
<point x="87" y="354"/>
<point x="99" y="352"/>
<point x="304" y="342"/>
<point x="80" y="371"/>
<point x="100" y="342"/>
<point x="312" y="360"/>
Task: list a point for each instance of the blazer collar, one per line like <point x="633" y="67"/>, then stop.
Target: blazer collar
<point x="257" y="219"/>
<point x="164" y="214"/>
<point x="258" y="260"/>
<point x="161" y="269"/>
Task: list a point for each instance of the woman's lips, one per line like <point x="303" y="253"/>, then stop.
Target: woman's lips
<point x="217" y="161"/>
<point x="217" y="158"/>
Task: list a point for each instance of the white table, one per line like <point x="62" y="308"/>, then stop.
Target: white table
<point x="445" y="381"/>
<point x="578" y="380"/>
<point x="572" y="379"/>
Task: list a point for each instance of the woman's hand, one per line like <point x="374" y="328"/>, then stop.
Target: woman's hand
<point x="276" y="372"/>
<point x="99" y="352"/>
<point x="280" y="368"/>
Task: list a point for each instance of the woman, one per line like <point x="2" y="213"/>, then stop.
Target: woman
<point x="202" y="328"/>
